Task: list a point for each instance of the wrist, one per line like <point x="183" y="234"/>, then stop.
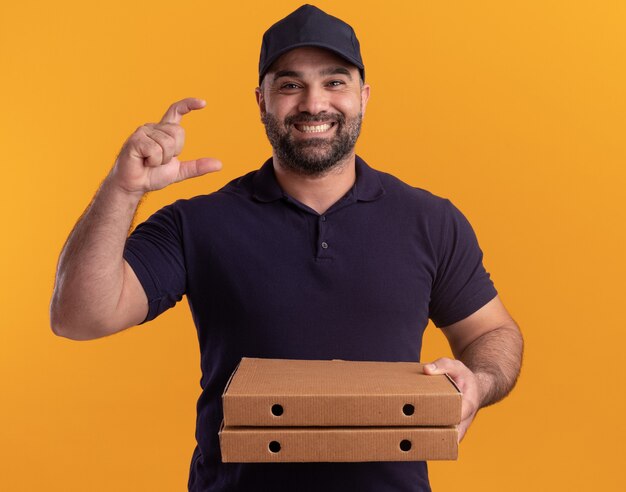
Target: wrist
<point x="114" y="191"/>
<point x="486" y="383"/>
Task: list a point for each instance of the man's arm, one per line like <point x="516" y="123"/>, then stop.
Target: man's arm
<point x="488" y="348"/>
<point x="96" y="292"/>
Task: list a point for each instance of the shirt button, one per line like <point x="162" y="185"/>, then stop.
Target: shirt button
<point x="323" y="218"/>
<point x="325" y="245"/>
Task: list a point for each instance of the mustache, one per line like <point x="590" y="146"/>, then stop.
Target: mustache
<point x="307" y="117"/>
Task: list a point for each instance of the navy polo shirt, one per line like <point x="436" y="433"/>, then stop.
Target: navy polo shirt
<point x="267" y="276"/>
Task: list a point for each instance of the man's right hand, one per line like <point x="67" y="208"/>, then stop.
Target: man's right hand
<point x="148" y="160"/>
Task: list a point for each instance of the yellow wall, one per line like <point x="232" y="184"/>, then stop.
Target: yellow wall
<point x="514" y="110"/>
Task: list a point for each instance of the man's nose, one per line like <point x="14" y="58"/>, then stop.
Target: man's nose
<point x="313" y="100"/>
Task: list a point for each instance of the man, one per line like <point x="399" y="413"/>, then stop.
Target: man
<point x="314" y="256"/>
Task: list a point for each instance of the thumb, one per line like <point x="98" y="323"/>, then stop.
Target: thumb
<point x="198" y="167"/>
<point x="433" y="368"/>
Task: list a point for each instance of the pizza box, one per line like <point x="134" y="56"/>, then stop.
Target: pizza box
<point x="336" y="393"/>
<point x="337" y="444"/>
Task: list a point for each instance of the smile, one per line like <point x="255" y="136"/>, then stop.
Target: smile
<point x="314" y="128"/>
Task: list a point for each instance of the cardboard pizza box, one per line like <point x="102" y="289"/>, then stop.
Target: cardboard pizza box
<point x="337" y="444"/>
<point x="335" y="393"/>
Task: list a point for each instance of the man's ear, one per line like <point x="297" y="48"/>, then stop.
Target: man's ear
<point x="260" y="99"/>
<point x="365" y="96"/>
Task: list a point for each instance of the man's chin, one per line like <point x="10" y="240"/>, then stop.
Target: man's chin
<point x="315" y="155"/>
<point x="319" y="149"/>
<point x="307" y="141"/>
<point x="312" y="163"/>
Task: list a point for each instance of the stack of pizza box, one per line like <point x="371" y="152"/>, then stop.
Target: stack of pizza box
<point x="278" y="410"/>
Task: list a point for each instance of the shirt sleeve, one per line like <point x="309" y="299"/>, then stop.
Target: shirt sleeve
<point x="154" y="252"/>
<point x="462" y="285"/>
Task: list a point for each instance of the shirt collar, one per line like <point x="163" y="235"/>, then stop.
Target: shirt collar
<point x="367" y="187"/>
<point x="265" y="188"/>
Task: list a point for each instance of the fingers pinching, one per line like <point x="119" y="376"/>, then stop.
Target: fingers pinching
<point x="176" y="111"/>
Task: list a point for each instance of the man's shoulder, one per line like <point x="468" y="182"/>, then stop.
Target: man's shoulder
<point x="232" y="192"/>
<point x="405" y="194"/>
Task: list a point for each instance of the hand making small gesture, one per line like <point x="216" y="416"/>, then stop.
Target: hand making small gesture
<point x="148" y="160"/>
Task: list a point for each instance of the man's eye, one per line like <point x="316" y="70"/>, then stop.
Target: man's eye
<point x="289" y="86"/>
<point x="336" y="83"/>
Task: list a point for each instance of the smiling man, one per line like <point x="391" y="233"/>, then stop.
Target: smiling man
<point x="315" y="255"/>
<point x="312" y="103"/>
<point x="312" y="107"/>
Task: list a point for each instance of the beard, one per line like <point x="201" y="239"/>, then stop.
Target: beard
<point x="312" y="156"/>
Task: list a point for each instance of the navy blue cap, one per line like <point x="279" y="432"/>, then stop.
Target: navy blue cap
<point x="310" y="26"/>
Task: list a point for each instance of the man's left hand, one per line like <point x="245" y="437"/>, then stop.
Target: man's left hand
<point x="472" y="386"/>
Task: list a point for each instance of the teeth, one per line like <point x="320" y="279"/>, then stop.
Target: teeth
<point x="314" y="129"/>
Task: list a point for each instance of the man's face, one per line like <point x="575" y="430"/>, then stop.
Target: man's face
<point x="311" y="104"/>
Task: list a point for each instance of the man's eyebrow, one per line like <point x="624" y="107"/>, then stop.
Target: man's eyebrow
<point x="287" y="73"/>
<point x="337" y="71"/>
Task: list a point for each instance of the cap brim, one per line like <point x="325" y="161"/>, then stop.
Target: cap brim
<point x="277" y="55"/>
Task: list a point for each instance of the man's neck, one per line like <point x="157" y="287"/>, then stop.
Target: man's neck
<point x="318" y="192"/>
